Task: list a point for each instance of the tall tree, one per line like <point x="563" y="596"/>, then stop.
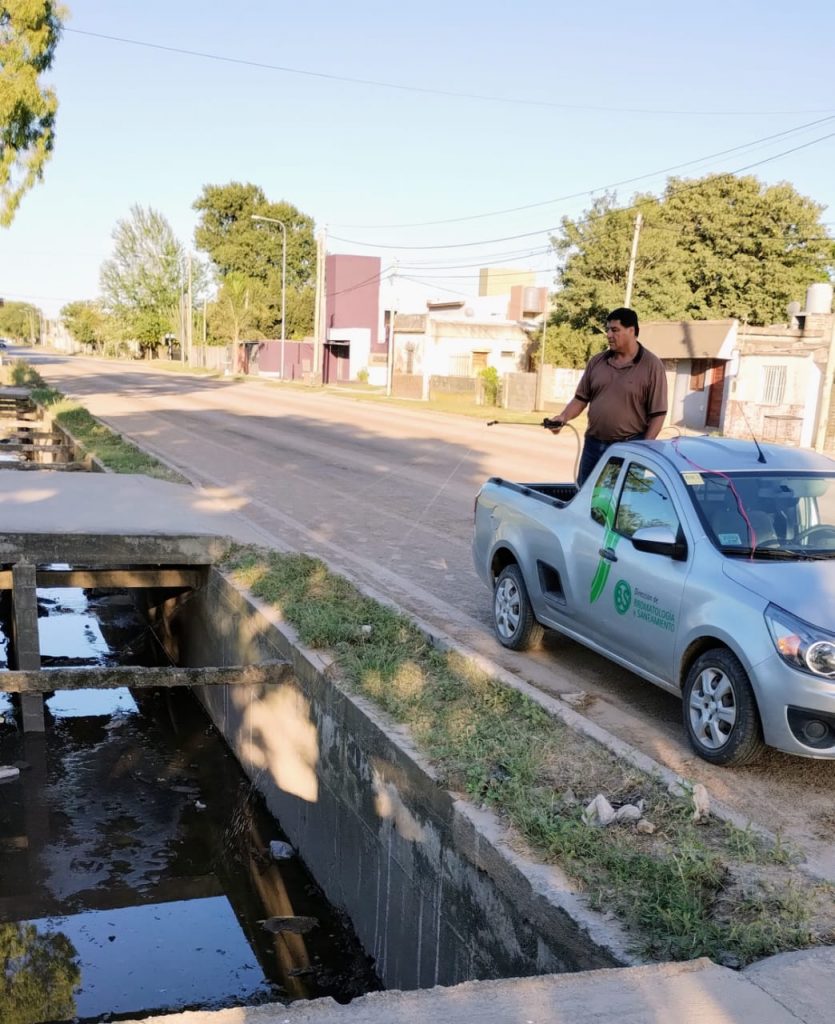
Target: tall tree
<point x="234" y="313"/>
<point x="29" y="33"/>
<point x="236" y="243"/>
<point x="21" y="321"/>
<point x="715" y="247"/>
<point x="142" y="284"/>
<point x="87" y="322"/>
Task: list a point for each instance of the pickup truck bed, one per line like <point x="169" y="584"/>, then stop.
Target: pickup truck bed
<point x="558" y="495"/>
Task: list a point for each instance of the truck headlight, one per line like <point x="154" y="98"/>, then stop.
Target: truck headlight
<point x="800" y="644"/>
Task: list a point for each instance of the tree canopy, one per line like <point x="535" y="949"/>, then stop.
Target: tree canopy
<point x="237" y="244"/>
<point x="20" y="320"/>
<point x="142" y="283"/>
<point x="40" y="975"/>
<point x="87" y="322"/>
<point x="710" y="248"/>
<point x="29" y="33"/>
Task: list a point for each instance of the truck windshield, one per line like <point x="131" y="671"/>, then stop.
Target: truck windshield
<point x="767" y="514"/>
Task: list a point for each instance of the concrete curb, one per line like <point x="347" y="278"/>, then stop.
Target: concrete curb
<point x="697" y="992"/>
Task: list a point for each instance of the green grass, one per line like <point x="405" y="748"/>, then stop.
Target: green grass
<point x="685" y="891"/>
<point x="93" y="437"/>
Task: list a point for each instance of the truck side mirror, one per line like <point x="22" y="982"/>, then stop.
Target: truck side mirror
<point x="660" y="540"/>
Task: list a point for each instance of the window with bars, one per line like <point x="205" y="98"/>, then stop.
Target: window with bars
<point x="774" y="384"/>
<point x="459" y="365"/>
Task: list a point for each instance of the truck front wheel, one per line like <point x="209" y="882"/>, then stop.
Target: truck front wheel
<point x="720" y="710"/>
<point x="513" y="618"/>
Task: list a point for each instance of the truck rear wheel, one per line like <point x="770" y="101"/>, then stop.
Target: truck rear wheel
<point x="513" y="618"/>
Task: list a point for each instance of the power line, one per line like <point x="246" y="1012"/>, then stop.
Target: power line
<point x="634" y="206"/>
<point x="600" y="188"/>
<point x="361" y="284"/>
<point x="427" y="90"/>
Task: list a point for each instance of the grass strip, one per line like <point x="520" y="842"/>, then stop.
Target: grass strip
<point x="92" y="436"/>
<point x="684" y="891"/>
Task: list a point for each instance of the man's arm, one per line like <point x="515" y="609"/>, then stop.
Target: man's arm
<point x="654" y="426"/>
<point x="657" y="402"/>
<point x="573" y="409"/>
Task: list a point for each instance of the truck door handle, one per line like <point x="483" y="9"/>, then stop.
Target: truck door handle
<point x="608" y="554"/>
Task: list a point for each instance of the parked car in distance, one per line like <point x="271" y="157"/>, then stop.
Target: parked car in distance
<point x="705" y="565"/>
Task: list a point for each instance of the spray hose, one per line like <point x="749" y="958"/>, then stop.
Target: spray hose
<point x="549" y="424"/>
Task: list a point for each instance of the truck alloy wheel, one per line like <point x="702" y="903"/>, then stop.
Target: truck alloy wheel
<point x="513" y="618"/>
<point x="720" y="711"/>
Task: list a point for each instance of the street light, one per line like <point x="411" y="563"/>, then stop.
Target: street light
<point x="282" y="225"/>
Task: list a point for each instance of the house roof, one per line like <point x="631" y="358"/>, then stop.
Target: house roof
<point x="690" y="339"/>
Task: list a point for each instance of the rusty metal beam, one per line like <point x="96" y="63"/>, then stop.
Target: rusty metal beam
<point x="93" y="678"/>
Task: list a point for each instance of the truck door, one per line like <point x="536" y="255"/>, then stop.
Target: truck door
<point x="639" y="601"/>
<point x="588" y="570"/>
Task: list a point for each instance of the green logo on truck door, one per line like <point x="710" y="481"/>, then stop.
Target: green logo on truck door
<point x="603" y="511"/>
<point x="623" y="597"/>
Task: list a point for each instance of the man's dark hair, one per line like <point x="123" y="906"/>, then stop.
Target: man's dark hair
<point x="626" y="317"/>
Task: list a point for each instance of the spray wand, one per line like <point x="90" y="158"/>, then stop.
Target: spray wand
<point x="554" y="424"/>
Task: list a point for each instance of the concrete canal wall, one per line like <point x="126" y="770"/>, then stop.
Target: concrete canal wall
<point x="434" y="893"/>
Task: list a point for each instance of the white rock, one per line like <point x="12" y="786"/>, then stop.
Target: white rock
<point x="645" y="826"/>
<point x="7" y="772"/>
<point x="701" y="803"/>
<point x="599" y="812"/>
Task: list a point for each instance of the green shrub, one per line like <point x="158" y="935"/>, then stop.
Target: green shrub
<point x="491" y="385"/>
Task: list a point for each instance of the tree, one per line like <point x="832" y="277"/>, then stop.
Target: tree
<point x="29" y="33"/>
<point x="21" y="321"/>
<point x="234" y="313"/>
<point x="38" y="975"/>
<point x="715" y="247"/>
<point x="143" y="282"/>
<point x="236" y="243"/>
<point x="88" y="323"/>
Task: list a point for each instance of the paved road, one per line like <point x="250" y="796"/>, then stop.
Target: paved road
<point x="384" y="494"/>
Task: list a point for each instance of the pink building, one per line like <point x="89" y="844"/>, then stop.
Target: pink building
<point x="353" y="341"/>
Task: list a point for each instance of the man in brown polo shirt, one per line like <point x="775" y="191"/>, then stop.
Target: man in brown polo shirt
<point x="625" y="389"/>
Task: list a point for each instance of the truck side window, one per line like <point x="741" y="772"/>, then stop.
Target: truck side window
<point x="644" y="501"/>
<point x="602" y="497"/>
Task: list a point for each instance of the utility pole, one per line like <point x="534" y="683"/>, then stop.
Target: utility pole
<point x="190" y="323"/>
<point x="538" y="402"/>
<point x="826" y="394"/>
<point x="630" y="276"/>
<point x="203" y="352"/>
<point x="392" y="316"/>
<point x="320" y="306"/>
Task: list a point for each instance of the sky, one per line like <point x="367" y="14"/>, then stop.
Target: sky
<point x="407" y="130"/>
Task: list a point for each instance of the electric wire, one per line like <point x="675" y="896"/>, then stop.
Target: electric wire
<point x="601" y="188"/>
<point x="428" y="90"/>
<point x="634" y="206"/>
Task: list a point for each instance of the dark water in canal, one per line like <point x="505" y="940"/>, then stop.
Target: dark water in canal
<point x="135" y="865"/>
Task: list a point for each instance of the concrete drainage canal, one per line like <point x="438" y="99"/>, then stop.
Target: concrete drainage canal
<point x="195" y="814"/>
<point x="140" y="871"/>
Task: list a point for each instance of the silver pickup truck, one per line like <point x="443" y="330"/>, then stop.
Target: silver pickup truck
<point x="705" y="565"/>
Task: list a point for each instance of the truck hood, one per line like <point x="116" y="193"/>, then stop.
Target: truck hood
<point x="806" y="589"/>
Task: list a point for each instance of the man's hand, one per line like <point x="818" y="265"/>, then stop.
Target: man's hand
<point x="555" y="425"/>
